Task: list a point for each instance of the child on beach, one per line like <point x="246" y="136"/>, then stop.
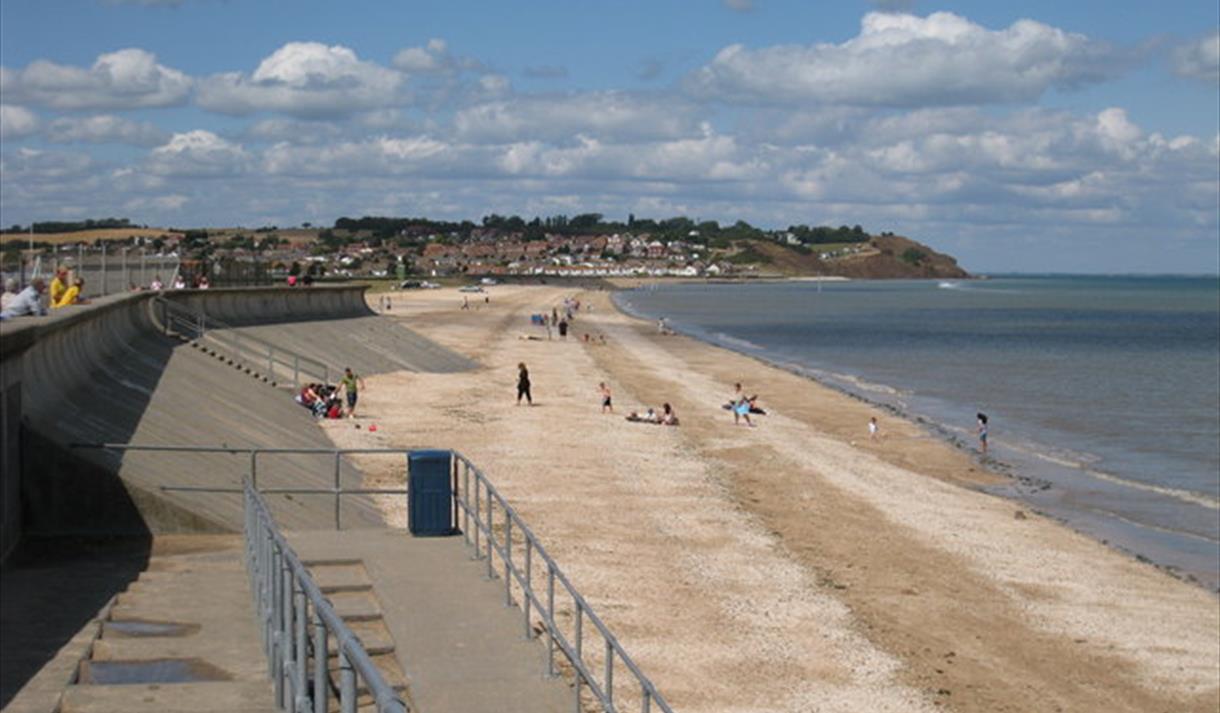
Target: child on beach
<point x="982" y="431"/>
<point x="873" y="428"/>
<point x="607" y="405"/>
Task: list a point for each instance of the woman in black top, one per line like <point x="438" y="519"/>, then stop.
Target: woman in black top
<point x="523" y="384"/>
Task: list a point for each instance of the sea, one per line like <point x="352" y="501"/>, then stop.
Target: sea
<point x="1102" y="393"/>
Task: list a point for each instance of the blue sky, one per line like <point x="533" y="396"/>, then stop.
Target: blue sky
<point x="1034" y="136"/>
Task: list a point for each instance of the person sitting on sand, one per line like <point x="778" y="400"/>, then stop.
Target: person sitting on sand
<point x="648" y="416"/>
<point x="668" y="417"/>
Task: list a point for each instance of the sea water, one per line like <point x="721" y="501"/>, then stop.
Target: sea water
<point x="1103" y="392"/>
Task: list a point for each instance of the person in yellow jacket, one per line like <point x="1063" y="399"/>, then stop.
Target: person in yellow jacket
<point x="72" y="295"/>
<point x="59" y="285"/>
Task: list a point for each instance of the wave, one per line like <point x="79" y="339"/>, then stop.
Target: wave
<point x="736" y="342"/>
<point x="1176" y="493"/>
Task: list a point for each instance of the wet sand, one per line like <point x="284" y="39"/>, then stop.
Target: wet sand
<point x="797" y="565"/>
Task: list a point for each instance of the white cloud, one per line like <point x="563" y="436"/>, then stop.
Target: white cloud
<point x="16" y="122"/>
<point x="198" y="154"/>
<point x="306" y="79"/>
<point x="609" y="115"/>
<point x="433" y="58"/>
<point x="905" y="61"/>
<point x="1199" y="59"/>
<point x="104" y="129"/>
<point x="126" y="79"/>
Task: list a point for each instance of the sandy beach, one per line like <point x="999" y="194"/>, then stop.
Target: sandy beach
<point x="793" y="566"/>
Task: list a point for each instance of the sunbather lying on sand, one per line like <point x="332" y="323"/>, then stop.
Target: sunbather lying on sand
<point x="667" y="417"/>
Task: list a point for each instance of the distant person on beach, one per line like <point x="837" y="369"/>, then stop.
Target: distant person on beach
<point x="351" y="384"/>
<point x="607" y="401"/>
<point x="668" y="417"/>
<point x="28" y="301"/>
<point x="563" y="329"/>
<point x="741" y="409"/>
<point x="982" y="431"/>
<point x="873" y="428"/>
<point x="523" y="384"/>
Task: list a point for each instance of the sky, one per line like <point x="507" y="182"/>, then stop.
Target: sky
<point x="1036" y="136"/>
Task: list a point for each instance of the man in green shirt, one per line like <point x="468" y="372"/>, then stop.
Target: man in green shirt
<point x="351" y="384"/>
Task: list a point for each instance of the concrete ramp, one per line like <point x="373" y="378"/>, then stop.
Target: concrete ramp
<point x="105" y="373"/>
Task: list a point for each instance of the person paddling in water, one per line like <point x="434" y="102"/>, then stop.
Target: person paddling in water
<point x="982" y="431"/>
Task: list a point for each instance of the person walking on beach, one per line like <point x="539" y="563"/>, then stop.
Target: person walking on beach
<point x="982" y="431"/>
<point x="523" y="384"/>
<point x="874" y="431"/>
<point x="607" y="401"/>
<point x="351" y="385"/>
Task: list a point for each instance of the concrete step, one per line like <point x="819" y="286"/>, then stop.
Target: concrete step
<point x="373" y="635"/>
<point x="210" y="697"/>
<point x="355" y="606"/>
<point x="390" y="670"/>
<point x="341" y="578"/>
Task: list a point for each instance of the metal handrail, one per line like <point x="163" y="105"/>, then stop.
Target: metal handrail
<point x="200" y="325"/>
<point x="290" y="605"/>
<point x="479" y="531"/>
<point x="603" y="689"/>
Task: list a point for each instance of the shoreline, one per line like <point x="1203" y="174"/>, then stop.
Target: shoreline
<point x="1016" y="486"/>
<point x="785" y="567"/>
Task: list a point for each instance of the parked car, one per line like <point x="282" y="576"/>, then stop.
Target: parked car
<point x="470" y="288"/>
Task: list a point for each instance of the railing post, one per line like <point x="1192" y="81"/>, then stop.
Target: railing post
<point x="508" y="559"/>
<point x="338" y="489"/>
<point x="478" y="520"/>
<point x="301" y="657"/>
<point x="610" y="674"/>
<point x="286" y="629"/>
<point x="465" y="497"/>
<point x="491" y="537"/>
<point x="321" y="684"/>
<point x="528" y="588"/>
<point x="271" y="362"/>
<point x="347" y="683"/>
<point x="277" y="637"/>
<point x="254" y="470"/>
<point x="550" y="618"/>
<point x="296" y="372"/>
<point x="105" y="272"/>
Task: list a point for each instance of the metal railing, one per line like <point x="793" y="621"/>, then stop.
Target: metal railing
<point x="494" y="540"/>
<point x="253" y="353"/>
<point x="479" y="520"/>
<point x="291" y="608"/>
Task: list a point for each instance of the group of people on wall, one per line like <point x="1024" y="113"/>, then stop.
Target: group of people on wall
<point x="65" y="289"/>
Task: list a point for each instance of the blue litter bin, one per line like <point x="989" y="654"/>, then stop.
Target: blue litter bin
<point x="430" y="493"/>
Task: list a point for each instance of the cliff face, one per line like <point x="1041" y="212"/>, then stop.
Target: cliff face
<point x="883" y="257"/>
<point x="893" y="256"/>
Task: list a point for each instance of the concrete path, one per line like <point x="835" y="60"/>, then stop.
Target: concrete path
<point x="463" y="650"/>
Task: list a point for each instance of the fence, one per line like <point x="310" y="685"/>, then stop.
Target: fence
<point x="254" y="354"/>
<point x="592" y="668"/>
<point x="291" y="608"/>
<point x="109" y="269"/>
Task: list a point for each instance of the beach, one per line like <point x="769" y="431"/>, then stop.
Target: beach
<point x="793" y="566"/>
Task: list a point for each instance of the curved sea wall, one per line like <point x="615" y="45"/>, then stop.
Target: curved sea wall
<point x="104" y="372"/>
